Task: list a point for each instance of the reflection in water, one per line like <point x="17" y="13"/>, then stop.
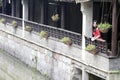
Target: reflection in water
<point x="13" y="69"/>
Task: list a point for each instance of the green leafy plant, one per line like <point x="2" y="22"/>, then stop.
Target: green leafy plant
<point x="66" y="40"/>
<point x="90" y="47"/>
<point x="43" y="34"/>
<point x="104" y="27"/>
<point x="55" y="17"/>
<point x="3" y="20"/>
<point x="14" y="24"/>
<point x="28" y="28"/>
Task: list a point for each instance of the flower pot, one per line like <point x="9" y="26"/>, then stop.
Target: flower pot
<point x="3" y="21"/>
<point x="104" y="27"/>
<point x="44" y="34"/>
<point x="93" y="51"/>
<point x="104" y="31"/>
<point x="66" y="40"/>
<point x="14" y="24"/>
<point x="68" y="43"/>
<point x="28" y="28"/>
<point x="55" y="17"/>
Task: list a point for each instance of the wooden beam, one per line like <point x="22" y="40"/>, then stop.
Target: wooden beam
<point x="114" y="28"/>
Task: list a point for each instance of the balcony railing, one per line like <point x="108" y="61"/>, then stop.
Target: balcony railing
<point x="58" y="33"/>
<point x="52" y="31"/>
<point x="101" y="46"/>
<point x="9" y="19"/>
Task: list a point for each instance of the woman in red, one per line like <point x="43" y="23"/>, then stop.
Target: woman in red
<point x="97" y="35"/>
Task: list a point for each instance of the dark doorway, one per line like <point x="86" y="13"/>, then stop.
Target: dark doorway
<point x="73" y="17"/>
<point x="53" y="9"/>
<point x="35" y="8"/>
<point x="6" y="7"/>
<point x="102" y="13"/>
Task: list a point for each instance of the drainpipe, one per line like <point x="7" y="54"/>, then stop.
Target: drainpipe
<point x="25" y="14"/>
<point x="114" y="29"/>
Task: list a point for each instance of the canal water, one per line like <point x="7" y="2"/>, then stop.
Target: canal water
<point x="13" y="69"/>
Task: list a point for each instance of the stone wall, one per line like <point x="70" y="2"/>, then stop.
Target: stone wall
<point x="35" y="54"/>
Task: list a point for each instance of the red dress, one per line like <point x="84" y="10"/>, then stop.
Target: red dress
<point x="97" y="33"/>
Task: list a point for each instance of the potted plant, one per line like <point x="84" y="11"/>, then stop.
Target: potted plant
<point x="3" y="20"/>
<point x="66" y="40"/>
<point x="28" y="28"/>
<point x="44" y="34"/>
<point x="55" y="17"/>
<point x="104" y="27"/>
<point x="14" y="24"/>
<point x="91" y="48"/>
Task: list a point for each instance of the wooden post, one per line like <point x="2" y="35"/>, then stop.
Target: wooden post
<point x="62" y="16"/>
<point x="17" y="7"/>
<point x="114" y="28"/>
<point x="4" y="2"/>
<point x="13" y="8"/>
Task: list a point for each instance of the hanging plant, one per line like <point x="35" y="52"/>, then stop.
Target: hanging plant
<point x="3" y="20"/>
<point x="66" y="40"/>
<point x="28" y="28"/>
<point x="14" y="24"/>
<point x="104" y="27"/>
<point x="44" y="34"/>
<point x="55" y="17"/>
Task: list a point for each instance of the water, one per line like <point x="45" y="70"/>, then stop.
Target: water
<point x="13" y="69"/>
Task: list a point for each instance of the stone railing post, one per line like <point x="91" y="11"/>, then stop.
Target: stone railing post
<point x="87" y="12"/>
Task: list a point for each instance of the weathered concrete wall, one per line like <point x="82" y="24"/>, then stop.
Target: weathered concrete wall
<point x="50" y="56"/>
<point x="12" y="68"/>
<point x="44" y="60"/>
<point x="35" y="55"/>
